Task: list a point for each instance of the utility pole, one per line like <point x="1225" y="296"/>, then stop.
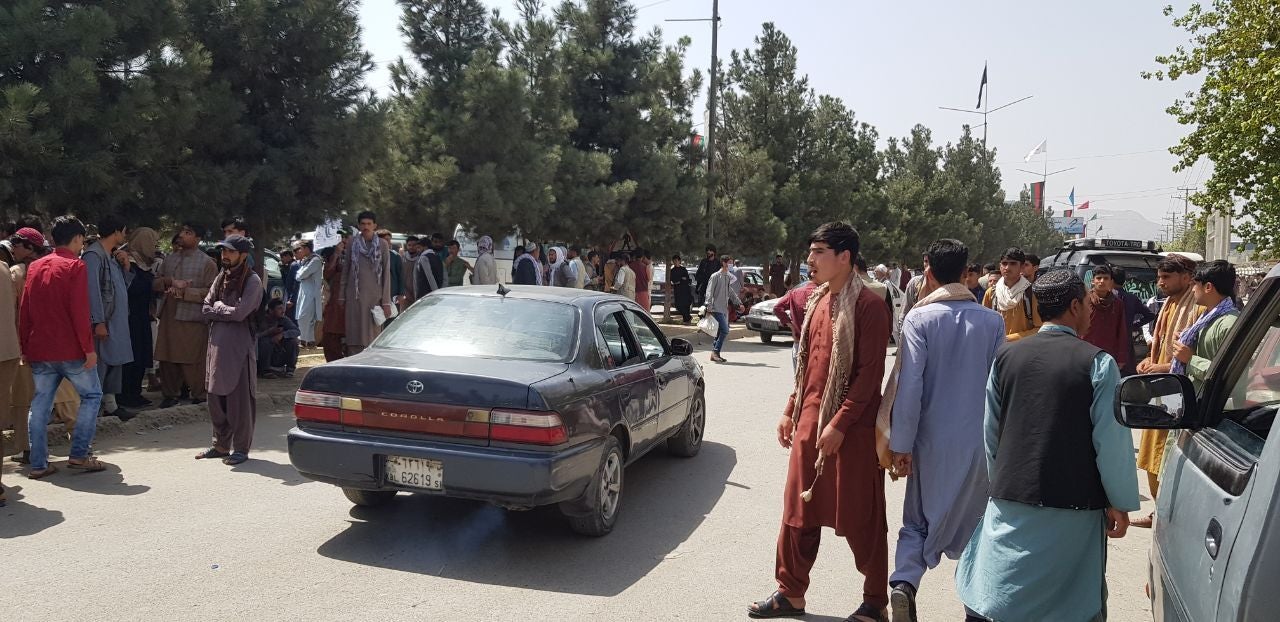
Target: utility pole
<point x="711" y="121"/>
<point x="712" y="102"/>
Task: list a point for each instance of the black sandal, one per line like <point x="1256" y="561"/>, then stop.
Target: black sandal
<point x="775" y="606"/>
<point x="211" y="453"/>
<point x="235" y="458"/>
<point x="867" y="611"/>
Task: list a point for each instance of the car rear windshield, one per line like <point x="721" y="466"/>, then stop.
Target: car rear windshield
<point x="484" y="327"/>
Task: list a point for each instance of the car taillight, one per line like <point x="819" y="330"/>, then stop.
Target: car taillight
<point x="536" y="428"/>
<point x="312" y="406"/>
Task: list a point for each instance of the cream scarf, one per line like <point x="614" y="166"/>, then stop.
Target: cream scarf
<point x="1010" y="297"/>
<point x="840" y="368"/>
<point x="949" y="292"/>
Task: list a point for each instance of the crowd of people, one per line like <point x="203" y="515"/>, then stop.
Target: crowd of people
<point x="999" y="412"/>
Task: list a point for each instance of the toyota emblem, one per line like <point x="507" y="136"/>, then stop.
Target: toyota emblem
<point x="414" y="387"/>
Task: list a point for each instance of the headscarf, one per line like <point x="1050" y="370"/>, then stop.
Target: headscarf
<point x="371" y="249"/>
<point x="1010" y="297"/>
<point x="561" y="253"/>
<point x="142" y="247"/>
<point x="485" y="245"/>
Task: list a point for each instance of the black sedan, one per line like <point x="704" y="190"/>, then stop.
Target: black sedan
<point x="522" y="397"/>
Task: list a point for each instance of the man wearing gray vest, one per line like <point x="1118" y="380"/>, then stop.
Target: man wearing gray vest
<point x="1061" y="467"/>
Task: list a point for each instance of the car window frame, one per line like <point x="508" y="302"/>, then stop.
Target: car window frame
<point x="603" y="312"/>
<point x="653" y="328"/>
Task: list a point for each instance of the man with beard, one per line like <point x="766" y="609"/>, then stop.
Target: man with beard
<point x="833" y="476"/>
<point x="707" y="267"/>
<point x="1012" y="297"/>
<point x="233" y="298"/>
<point x="1174" y="274"/>
<point x="947" y="346"/>
<point x="183" y="278"/>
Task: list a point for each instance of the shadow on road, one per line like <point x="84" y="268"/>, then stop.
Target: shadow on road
<point x="273" y="470"/>
<point x="108" y="482"/>
<point x="23" y="519"/>
<point x="665" y="499"/>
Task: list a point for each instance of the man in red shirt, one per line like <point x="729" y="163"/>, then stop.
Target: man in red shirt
<point x="57" y="342"/>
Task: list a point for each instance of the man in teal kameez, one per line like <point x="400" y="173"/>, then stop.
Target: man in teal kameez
<point x="1061" y="467"/>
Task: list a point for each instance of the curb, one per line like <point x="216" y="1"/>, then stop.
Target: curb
<point x="279" y="394"/>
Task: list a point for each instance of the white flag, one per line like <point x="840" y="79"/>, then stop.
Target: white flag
<point x="1040" y="148"/>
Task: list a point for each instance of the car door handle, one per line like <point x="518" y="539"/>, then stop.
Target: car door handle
<point x="1212" y="537"/>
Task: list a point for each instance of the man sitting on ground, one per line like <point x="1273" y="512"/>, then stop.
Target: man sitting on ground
<point x="277" y="343"/>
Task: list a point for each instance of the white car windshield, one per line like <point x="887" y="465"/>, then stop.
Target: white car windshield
<point x="484" y="327"/>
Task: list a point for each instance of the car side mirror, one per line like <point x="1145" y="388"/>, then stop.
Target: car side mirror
<point x="681" y="347"/>
<point x="1156" y="402"/>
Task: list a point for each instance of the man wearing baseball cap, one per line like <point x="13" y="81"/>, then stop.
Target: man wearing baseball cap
<point x="233" y="353"/>
<point x="22" y="246"/>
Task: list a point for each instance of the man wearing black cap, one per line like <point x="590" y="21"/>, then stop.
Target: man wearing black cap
<point x="1062" y="471"/>
<point x="232" y="360"/>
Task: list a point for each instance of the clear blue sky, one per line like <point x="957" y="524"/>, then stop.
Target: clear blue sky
<point x="895" y="63"/>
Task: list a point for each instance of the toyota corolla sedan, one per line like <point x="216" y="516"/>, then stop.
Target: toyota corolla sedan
<point x="522" y="397"/>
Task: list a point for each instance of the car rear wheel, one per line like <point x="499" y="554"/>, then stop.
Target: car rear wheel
<point x="369" y="498"/>
<point x="604" y="495"/>
<point x="688" y="440"/>
<point x="766" y="337"/>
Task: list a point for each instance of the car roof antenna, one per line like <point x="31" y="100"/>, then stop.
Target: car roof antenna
<point x="503" y="291"/>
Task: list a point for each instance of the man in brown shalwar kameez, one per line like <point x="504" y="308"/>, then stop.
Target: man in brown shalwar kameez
<point x="233" y="352"/>
<point x="834" y="478"/>
<point x="366" y="284"/>
<point x="183" y="277"/>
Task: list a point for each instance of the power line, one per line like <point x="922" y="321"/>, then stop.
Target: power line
<point x="1092" y="157"/>
<point x="652" y="4"/>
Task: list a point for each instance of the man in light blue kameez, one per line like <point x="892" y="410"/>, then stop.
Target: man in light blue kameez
<point x="947" y="346"/>
<point x="1061" y="467"/>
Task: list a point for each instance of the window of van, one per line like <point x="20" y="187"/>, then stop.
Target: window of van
<point x="1255" y="397"/>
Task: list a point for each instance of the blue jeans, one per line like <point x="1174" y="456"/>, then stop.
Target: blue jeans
<point x="723" y="333"/>
<point x="47" y="376"/>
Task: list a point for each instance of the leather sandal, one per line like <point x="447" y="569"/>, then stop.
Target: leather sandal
<point x="775" y="606"/>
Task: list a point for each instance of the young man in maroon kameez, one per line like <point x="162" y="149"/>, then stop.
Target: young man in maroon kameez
<point x="1107" y="326"/>
<point x="834" y="478"/>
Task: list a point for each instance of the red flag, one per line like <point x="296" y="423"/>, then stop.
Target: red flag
<point x="1066" y="213"/>
<point x="1084" y="205"/>
<point x="1037" y="196"/>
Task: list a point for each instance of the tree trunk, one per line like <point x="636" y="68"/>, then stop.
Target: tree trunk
<point x="667" y="298"/>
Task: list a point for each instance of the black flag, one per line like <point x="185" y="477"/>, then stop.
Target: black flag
<point x="982" y="86"/>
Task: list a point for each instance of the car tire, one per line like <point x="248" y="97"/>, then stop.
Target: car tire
<point x="604" y="494"/>
<point x="369" y="498"/>
<point x="766" y="337"/>
<point x="688" y="441"/>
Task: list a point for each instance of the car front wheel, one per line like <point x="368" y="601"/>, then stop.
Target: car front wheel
<point x="369" y="498"/>
<point x="604" y="495"/>
<point x="766" y="337"/>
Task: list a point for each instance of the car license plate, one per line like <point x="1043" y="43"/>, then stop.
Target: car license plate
<point x="768" y="324"/>
<point x="415" y="472"/>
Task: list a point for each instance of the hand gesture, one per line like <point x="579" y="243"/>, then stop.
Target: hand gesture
<point x="901" y="464"/>
<point x="786" y="430"/>
<point x="1181" y="352"/>
<point x="1117" y="523"/>
<point x="830" y="441"/>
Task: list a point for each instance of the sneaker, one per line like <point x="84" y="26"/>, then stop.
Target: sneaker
<point x="902" y="602"/>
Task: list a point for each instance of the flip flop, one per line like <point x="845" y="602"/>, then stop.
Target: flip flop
<point x="211" y="453"/>
<point x="49" y="470"/>
<point x="88" y="465"/>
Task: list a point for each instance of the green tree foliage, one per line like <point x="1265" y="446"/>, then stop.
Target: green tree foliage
<point x="1234" y="114"/>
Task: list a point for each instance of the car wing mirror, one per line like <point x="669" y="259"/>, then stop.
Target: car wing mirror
<point x="1156" y="402"/>
<point x="681" y="347"/>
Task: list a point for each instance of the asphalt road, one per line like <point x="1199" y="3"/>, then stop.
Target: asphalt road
<point x="163" y="536"/>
